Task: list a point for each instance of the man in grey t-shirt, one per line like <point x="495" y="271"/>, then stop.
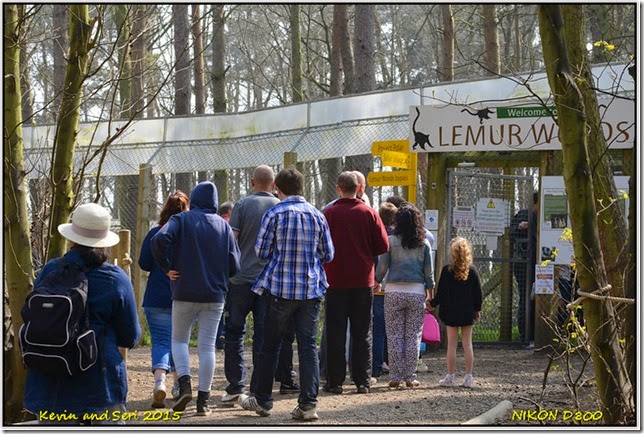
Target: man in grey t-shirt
<point x="245" y="221"/>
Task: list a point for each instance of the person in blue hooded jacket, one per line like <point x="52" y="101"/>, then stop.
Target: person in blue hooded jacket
<point x="157" y="304"/>
<point x="112" y="316"/>
<point x="198" y="252"/>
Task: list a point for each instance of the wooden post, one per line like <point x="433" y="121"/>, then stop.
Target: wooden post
<point x="121" y="257"/>
<point x="290" y="159"/>
<point x="505" y="332"/>
<point x="545" y="304"/>
<point x="145" y="214"/>
<point x="436" y="198"/>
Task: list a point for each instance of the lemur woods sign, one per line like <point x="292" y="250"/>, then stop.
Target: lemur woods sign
<point x="528" y="127"/>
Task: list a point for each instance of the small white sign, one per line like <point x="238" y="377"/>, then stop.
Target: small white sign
<point x="491" y="242"/>
<point x="491" y="216"/>
<point x="544" y="279"/>
<point x="463" y="217"/>
<point x="431" y="219"/>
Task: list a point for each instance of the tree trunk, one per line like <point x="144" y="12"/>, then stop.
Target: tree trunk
<point x="60" y="40"/>
<point x="200" y="88"/>
<point x="139" y="26"/>
<point x="80" y="29"/>
<point x="348" y="67"/>
<point x="17" y="251"/>
<point x="447" y="67"/>
<point x="197" y="37"/>
<point x="218" y="59"/>
<point x="630" y="276"/>
<point x="517" y="39"/>
<point x="330" y="168"/>
<point x="296" y="53"/>
<point x="365" y="80"/>
<point x="183" y="181"/>
<point x="613" y="384"/>
<point x="611" y="222"/>
<point x="364" y="47"/>
<point x="491" y="35"/>
<point x="336" y="55"/>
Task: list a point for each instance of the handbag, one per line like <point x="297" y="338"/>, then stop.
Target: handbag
<point x="431" y="329"/>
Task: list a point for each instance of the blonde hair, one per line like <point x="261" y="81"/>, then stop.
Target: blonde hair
<point x="461" y="255"/>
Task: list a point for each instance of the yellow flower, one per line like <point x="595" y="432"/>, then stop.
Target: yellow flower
<point x="566" y="235"/>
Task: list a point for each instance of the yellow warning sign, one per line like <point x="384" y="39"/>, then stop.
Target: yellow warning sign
<point x="490" y="204"/>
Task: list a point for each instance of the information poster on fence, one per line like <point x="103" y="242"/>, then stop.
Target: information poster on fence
<point x="555" y="218"/>
<point x="544" y="279"/>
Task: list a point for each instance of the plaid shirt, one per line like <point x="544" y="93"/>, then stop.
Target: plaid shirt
<point x="296" y="240"/>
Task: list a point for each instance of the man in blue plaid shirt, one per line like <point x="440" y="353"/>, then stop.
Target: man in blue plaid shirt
<point x="296" y="241"/>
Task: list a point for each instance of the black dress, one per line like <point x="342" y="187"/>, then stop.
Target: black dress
<point x="458" y="299"/>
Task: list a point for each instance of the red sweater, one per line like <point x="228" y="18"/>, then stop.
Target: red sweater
<point x="358" y="236"/>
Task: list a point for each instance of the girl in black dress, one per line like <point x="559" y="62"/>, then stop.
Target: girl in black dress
<point x="459" y="296"/>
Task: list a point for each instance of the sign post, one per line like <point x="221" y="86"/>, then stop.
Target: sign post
<point x="395" y="153"/>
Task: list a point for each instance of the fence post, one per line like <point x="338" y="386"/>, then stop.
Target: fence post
<point x="121" y="257"/>
<point x="145" y="213"/>
<point x="505" y="326"/>
<point x="290" y="159"/>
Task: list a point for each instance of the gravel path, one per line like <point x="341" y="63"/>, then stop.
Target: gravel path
<point x="501" y="373"/>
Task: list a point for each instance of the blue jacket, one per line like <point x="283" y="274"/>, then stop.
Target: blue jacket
<point x="406" y="265"/>
<point x="113" y="317"/>
<point x="157" y="290"/>
<point x="199" y="245"/>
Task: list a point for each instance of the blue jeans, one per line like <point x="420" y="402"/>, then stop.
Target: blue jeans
<point x="160" y="325"/>
<point x="240" y="300"/>
<point x="378" y="347"/>
<point x="285" y="358"/>
<point x="184" y="314"/>
<point x="305" y="314"/>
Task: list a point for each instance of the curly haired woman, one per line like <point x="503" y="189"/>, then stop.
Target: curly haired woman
<point x="459" y="296"/>
<point x="409" y="286"/>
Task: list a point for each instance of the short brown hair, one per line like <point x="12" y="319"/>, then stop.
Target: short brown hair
<point x="290" y="182"/>
<point x="174" y="204"/>
<point x="348" y="182"/>
<point x="387" y="213"/>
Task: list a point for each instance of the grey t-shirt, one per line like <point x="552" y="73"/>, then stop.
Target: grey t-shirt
<point x="246" y="219"/>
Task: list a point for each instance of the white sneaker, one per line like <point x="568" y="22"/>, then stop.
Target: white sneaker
<point x="421" y="367"/>
<point x="467" y="380"/>
<point x="158" y="395"/>
<point x="247" y="402"/>
<point x="230" y="400"/>
<point x="373" y="380"/>
<point x="305" y="415"/>
<point x="448" y="381"/>
<point x="175" y="391"/>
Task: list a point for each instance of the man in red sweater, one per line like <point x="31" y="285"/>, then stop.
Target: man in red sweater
<point x="358" y="236"/>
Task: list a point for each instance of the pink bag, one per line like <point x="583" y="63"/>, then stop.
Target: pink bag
<point x="431" y="329"/>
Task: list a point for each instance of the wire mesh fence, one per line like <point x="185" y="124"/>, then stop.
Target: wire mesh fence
<point x="182" y="165"/>
<point x="482" y="203"/>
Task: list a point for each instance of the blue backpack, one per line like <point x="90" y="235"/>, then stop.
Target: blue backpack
<point x="55" y="338"/>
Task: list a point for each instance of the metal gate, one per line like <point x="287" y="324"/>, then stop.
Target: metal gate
<point x="480" y="208"/>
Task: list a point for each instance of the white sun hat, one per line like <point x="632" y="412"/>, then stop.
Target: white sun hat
<point x="90" y="227"/>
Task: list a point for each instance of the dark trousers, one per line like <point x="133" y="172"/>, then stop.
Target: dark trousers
<point x="525" y="319"/>
<point x="240" y="300"/>
<point x="378" y="333"/>
<point x="285" y="363"/>
<point x="354" y="304"/>
<point x="305" y="315"/>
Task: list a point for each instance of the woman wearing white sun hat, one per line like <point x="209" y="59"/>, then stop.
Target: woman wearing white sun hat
<point x="112" y="316"/>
